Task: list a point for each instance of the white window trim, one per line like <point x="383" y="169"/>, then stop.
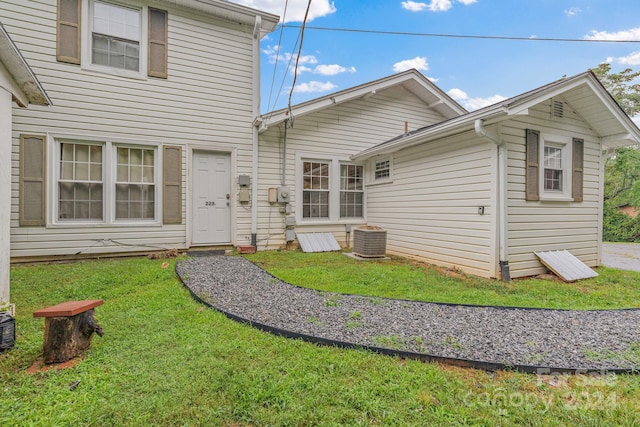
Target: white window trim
<point x="566" y="144"/>
<point x="109" y="168"/>
<point x="371" y="175"/>
<point x="334" y="191"/>
<point x="86" y="42"/>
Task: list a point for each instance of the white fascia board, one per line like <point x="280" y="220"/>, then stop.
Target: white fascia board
<point x="230" y="11"/>
<point x="8" y="83"/>
<point x="620" y="140"/>
<point x="523" y="106"/>
<point x="365" y="90"/>
<point x="448" y="128"/>
<point x="30" y="89"/>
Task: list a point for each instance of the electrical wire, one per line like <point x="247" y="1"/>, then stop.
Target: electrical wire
<point x="275" y="67"/>
<point x="459" y="36"/>
<point x="295" y="71"/>
<point x="286" y="72"/>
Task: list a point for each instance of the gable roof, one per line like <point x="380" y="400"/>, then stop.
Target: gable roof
<point x="28" y="89"/>
<point x="583" y="92"/>
<point x="231" y="11"/>
<point x="412" y="80"/>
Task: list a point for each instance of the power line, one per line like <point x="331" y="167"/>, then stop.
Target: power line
<point x="275" y="67"/>
<point x="295" y="72"/>
<point x="460" y="36"/>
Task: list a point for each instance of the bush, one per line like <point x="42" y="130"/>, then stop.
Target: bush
<point x="619" y="227"/>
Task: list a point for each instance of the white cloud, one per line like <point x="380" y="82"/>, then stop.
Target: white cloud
<point x="314" y="87"/>
<point x="473" y="103"/>
<point x="631" y="59"/>
<point x="631" y="34"/>
<point x="572" y="11"/>
<point x="272" y="52"/>
<point x="434" y="6"/>
<point x="440" y="5"/>
<point x="419" y="63"/>
<point x="458" y="94"/>
<point x="295" y="9"/>
<point x="303" y="69"/>
<point x="333" y="69"/>
<point x="414" y="6"/>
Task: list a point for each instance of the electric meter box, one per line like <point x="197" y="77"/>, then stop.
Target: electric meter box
<point x="284" y="194"/>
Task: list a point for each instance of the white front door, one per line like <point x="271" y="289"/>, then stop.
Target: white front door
<point x="211" y="203"/>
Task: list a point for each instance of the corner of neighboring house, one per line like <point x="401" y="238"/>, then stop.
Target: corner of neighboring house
<point x="17" y="84"/>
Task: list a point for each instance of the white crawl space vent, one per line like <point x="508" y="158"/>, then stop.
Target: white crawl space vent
<point x="370" y="242"/>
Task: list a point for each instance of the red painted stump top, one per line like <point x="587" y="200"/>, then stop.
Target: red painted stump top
<point x="69" y="308"/>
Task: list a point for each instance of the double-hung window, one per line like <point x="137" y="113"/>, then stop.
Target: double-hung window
<point x="105" y="182"/>
<point x="331" y="190"/>
<point x="115" y="36"/>
<point x="109" y="36"/>
<point x="80" y="187"/>
<point x="351" y="191"/>
<point x="554" y="167"/>
<point x="135" y="183"/>
<point x="315" y="193"/>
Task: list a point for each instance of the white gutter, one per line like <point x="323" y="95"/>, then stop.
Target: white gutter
<point x="503" y="249"/>
<point x="255" y="134"/>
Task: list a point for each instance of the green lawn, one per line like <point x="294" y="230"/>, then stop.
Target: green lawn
<point x="406" y="279"/>
<point x="166" y="360"/>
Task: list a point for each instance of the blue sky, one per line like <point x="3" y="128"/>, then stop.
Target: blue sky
<point x="475" y="72"/>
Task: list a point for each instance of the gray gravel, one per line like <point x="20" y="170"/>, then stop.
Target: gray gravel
<point x="557" y="339"/>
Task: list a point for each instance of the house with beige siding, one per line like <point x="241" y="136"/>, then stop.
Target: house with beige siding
<point x="154" y="140"/>
<point x="305" y="152"/>
<point x="151" y="124"/>
<point x="480" y="191"/>
<point x="19" y="87"/>
<point x="486" y="190"/>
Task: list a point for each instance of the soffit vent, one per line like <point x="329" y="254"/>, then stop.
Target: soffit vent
<point x="558" y="109"/>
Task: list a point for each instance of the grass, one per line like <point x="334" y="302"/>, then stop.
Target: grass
<point x="406" y="279"/>
<point x="166" y="360"/>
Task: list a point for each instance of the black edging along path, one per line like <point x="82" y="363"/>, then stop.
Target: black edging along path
<point x="490" y="338"/>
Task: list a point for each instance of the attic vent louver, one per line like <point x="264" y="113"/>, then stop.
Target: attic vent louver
<point x="558" y="109"/>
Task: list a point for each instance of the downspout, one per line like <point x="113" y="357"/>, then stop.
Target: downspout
<point x="255" y="134"/>
<point x="283" y="179"/>
<point x="503" y="252"/>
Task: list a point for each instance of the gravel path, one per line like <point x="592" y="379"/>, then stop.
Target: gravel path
<point x="557" y="339"/>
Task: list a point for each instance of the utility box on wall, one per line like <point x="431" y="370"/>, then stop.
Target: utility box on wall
<point x="284" y="194"/>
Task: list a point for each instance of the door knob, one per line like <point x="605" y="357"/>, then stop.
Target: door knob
<point x="228" y="196"/>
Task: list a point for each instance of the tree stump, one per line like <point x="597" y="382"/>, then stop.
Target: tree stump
<point x="68" y="329"/>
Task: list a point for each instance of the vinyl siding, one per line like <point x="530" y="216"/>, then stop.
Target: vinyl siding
<point x="430" y="209"/>
<point x="342" y="130"/>
<point x="206" y="102"/>
<point x="552" y="225"/>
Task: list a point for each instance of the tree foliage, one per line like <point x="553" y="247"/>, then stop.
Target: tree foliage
<point x="623" y="86"/>
<point x="622" y="169"/>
